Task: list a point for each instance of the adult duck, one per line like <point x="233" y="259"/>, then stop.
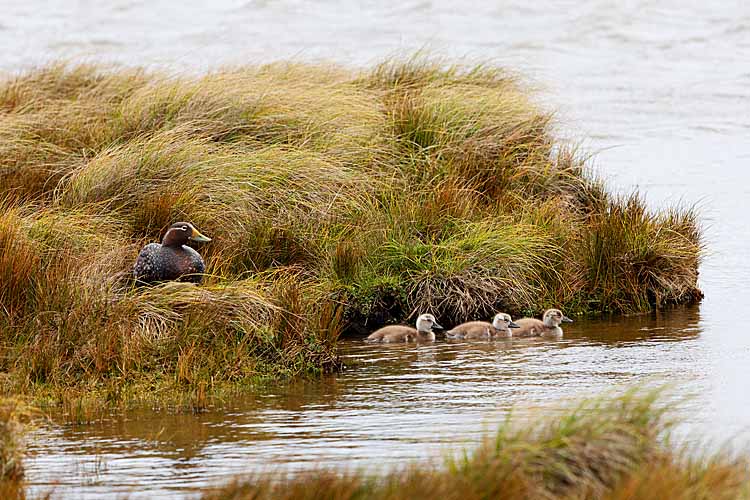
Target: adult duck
<point x="172" y="259"/>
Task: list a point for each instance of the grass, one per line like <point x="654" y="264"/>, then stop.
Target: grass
<point x="14" y="417"/>
<point x="336" y="199"/>
<point x="602" y="448"/>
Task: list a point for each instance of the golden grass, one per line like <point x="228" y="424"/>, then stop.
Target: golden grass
<point x="14" y="420"/>
<point x="335" y="198"/>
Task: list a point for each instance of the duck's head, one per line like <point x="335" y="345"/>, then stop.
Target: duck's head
<point x="553" y="318"/>
<point x="502" y="322"/>
<point x="179" y="233"/>
<point x="426" y="322"/>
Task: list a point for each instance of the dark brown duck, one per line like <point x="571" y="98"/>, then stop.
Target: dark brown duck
<point x="172" y="259"/>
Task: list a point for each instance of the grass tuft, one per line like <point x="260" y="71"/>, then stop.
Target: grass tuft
<point x="603" y="448"/>
<point x="638" y="260"/>
<point x="14" y="418"/>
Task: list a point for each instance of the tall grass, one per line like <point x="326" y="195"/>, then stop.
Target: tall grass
<point x="335" y="199"/>
<point x="603" y="448"/>
<point x="636" y="258"/>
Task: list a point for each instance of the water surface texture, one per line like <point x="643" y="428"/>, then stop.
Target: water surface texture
<point x="397" y="403"/>
<point x="661" y="92"/>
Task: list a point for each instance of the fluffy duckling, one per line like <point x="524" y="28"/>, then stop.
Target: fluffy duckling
<point x="548" y="326"/>
<point x="172" y="259"/>
<point x="500" y="328"/>
<point x="400" y="333"/>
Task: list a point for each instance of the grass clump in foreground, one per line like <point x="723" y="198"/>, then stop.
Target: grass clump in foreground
<point x="613" y="448"/>
<point x="14" y="417"/>
<point x="335" y="198"/>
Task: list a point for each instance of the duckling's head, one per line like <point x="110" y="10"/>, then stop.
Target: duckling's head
<point x="553" y="318"/>
<point x="502" y="322"/>
<point x="179" y="233"/>
<point x="426" y="322"/>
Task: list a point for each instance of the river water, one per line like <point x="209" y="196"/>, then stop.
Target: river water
<point x="659" y="90"/>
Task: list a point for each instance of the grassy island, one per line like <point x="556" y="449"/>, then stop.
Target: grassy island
<point x="337" y="200"/>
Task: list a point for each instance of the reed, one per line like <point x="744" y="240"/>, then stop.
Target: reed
<point x="336" y="199"/>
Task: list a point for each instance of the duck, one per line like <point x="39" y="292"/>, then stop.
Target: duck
<point x="401" y="333"/>
<point x="548" y="326"/>
<point x="499" y="328"/>
<point x="171" y="259"/>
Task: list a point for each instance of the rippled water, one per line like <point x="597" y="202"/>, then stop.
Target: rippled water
<point x="660" y="89"/>
<point x="394" y="404"/>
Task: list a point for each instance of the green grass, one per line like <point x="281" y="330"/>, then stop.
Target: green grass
<point x="335" y="198"/>
<point x="601" y="448"/>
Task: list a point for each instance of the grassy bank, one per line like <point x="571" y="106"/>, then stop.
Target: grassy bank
<point x="335" y="199"/>
<point x="601" y="449"/>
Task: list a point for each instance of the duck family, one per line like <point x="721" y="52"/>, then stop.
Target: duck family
<point x="171" y="259"/>
<point x="502" y="326"/>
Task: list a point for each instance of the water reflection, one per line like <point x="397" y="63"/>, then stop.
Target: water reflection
<point x="396" y="402"/>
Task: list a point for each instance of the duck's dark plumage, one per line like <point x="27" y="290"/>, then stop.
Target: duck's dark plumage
<point x="172" y="259"/>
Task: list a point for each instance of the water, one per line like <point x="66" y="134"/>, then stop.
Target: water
<point x="661" y="91"/>
<point x="396" y="403"/>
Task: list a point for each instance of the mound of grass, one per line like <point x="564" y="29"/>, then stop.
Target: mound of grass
<point x="601" y="448"/>
<point x="335" y="199"/>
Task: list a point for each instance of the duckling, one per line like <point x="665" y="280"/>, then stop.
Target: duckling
<point x="500" y="328"/>
<point x="548" y="326"/>
<point x="401" y="333"/>
<point x="172" y="259"/>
